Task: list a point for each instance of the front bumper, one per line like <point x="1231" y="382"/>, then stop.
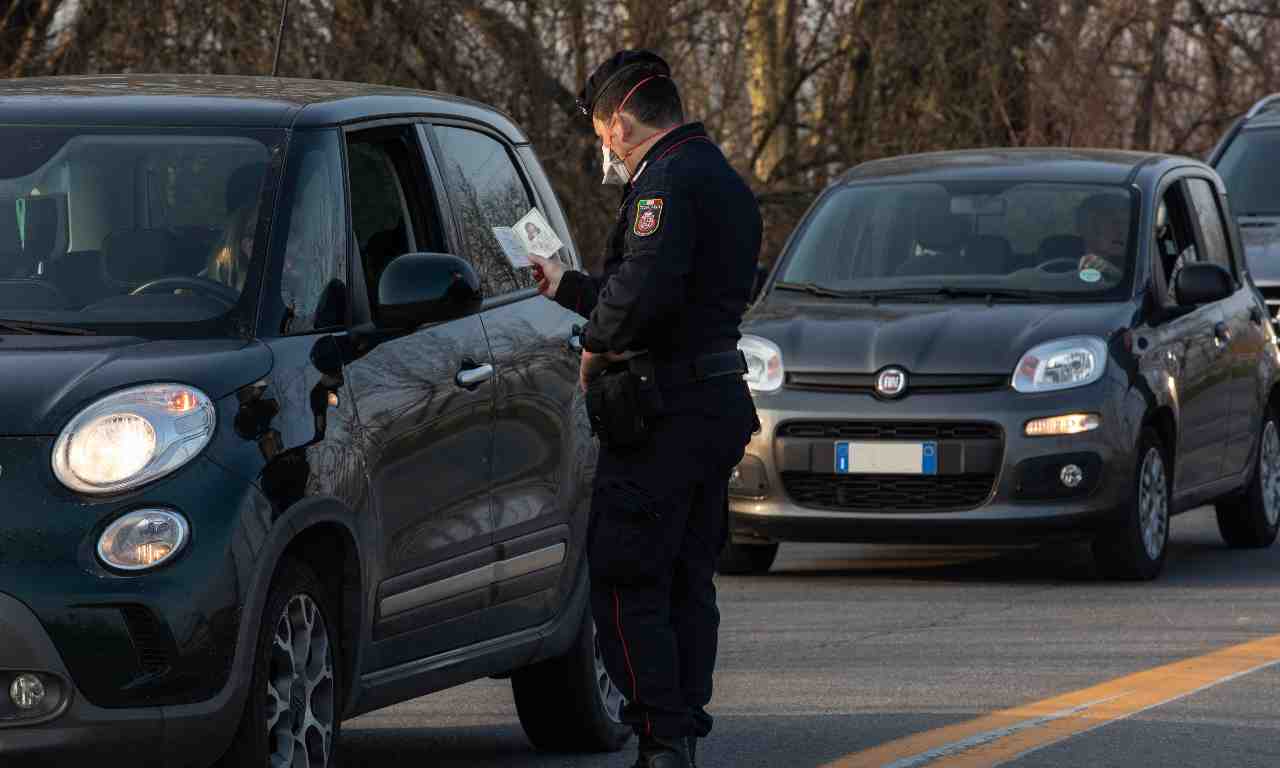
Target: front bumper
<point x="1010" y="513"/>
<point x="79" y="733"/>
<point x="146" y="660"/>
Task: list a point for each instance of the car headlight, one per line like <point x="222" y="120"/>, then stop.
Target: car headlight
<point x="132" y="437"/>
<point x="764" y="364"/>
<point x="1061" y="364"/>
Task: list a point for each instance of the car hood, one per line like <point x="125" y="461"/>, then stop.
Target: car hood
<point x="46" y="380"/>
<point x="945" y="338"/>
<point x="1261" y="235"/>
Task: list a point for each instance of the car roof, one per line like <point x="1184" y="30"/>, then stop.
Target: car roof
<point x="226" y="100"/>
<point x="1081" y="166"/>
<point x="1264" y="120"/>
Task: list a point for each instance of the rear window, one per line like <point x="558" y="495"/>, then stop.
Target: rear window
<point x="1250" y="167"/>
<point x="1044" y="237"/>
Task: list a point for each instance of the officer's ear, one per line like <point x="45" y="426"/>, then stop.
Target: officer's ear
<point x="624" y="130"/>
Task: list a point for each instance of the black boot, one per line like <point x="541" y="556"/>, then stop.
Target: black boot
<point x="692" y="743"/>
<point x="663" y="753"/>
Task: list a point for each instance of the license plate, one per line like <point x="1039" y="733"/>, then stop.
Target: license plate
<point x="886" y="458"/>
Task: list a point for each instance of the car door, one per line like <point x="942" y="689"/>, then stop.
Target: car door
<point x="425" y="402"/>
<point x="1188" y="342"/>
<point x="539" y="463"/>
<point x="1245" y="336"/>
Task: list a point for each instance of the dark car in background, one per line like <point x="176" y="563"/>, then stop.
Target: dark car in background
<point x="284" y="435"/>
<point x="1248" y="160"/>
<point x="940" y="356"/>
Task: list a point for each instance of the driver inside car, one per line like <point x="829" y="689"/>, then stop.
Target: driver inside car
<point x="1103" y="223"/>
<point x="229" y="263"/>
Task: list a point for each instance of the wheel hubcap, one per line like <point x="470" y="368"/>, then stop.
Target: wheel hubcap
<point x="300" y="690"/>
<point x="610" y="696"/>
<point x="1153" y="503"/>
<point x="1270" y="467"/>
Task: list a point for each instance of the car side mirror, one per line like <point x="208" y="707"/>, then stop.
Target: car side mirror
<point x="1202" y="283"/>
<point x="420" y="288"/>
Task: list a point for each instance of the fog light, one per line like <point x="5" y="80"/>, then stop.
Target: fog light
<point x="143" y="539"/>
<point x="749" y="479"/>
<point x="27" y="692"/>
<point x="1067" y="424"/>
<point x="1071" y="475"/>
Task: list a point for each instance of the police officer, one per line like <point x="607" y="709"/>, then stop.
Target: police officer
<point x="678" y="275"/>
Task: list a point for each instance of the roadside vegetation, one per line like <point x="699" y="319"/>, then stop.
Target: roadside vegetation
<point x="796" y="90"/>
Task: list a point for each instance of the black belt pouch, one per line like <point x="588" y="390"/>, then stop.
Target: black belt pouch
<point x="622" y="404"/>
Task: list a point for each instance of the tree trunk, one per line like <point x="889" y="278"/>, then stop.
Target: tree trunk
<point x="772" y="66"/>
<point x="1146" y="105"/>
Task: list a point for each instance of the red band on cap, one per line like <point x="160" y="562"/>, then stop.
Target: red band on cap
<point x="634" y="88"/>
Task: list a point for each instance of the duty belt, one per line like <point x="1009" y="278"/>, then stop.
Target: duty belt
<point x="712" y="365"/>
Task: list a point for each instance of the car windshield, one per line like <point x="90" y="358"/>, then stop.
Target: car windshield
<point x="1249" y="169"/>
<point x="1021" y="241"/>
<point x="117" y="228"/>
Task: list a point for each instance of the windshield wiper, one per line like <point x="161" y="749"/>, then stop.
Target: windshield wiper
<point x="23" y="326"/>
<point x="946" y="292"/>
<point x="815" y="289"/>
<point x="941" y="292"/>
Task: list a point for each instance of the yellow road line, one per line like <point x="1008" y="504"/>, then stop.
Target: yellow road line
<point x="1003" y="736"/>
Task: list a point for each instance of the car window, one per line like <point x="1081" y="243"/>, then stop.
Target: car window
<point x="91" y="219"/>
<point x="388" y="216"/>
<point x="1175" y="238"/>
<point x="1248" y="168"/>
<point x="1048" y="238"/>
<point x="1217" y="249"/>
<point x="487" y="191"/>
<point x="313" y="280"/>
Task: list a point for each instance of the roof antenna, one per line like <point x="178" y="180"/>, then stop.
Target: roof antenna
<point x="284" y="12"/>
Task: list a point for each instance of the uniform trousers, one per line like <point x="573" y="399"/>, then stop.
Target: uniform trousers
<point x="659" y="520"/>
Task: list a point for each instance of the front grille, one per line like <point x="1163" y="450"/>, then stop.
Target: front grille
<point x="919" y="384"/>
<point x="890" y="430"/>
<point x="888" y="493"/>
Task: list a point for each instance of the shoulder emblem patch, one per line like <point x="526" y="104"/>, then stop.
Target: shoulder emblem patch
<point x="648" y="216"/>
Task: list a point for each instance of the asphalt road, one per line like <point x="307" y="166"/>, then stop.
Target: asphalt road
<point x="841" y="649"/>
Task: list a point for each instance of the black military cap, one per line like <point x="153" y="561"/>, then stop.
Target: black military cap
<point x="608" y="73"/>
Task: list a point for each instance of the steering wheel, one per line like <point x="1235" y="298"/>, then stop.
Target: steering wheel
<point x="1067" y="265"/>
<point x="210" y="288"/>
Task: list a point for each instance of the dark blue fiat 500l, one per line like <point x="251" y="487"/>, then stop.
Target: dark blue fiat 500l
<point x="995" y="346"/>
<point x="284" y="435"/>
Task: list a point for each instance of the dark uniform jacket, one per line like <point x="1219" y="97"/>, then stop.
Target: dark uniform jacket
<point x="681" y="260"/>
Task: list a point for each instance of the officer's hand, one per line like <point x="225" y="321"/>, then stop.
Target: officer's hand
<point x="593" y="364"/>
<point x="548" y="273"/>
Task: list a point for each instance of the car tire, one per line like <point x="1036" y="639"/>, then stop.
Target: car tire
<point x="569" y="704"/>
<point x="1251" y="519"/>
<point x="746" y="559"/>
<point x="1135" y="549"/>
<point x="292" y="705"/>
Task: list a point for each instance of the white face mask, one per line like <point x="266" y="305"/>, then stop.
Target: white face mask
<point x="615" y="170"/>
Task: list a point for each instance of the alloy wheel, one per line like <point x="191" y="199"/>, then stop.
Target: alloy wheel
<point x="610" y="697"/>
<point x="1153" y="503"/>
<point x="300" y="688"/>
<point x="1270" y="468"/>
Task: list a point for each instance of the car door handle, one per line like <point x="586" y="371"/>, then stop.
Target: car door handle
<point x="473" y="375"/>
<point x="1222" y="333"/>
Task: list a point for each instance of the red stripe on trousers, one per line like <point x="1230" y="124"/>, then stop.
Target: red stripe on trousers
<point x="626" y="654"/>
